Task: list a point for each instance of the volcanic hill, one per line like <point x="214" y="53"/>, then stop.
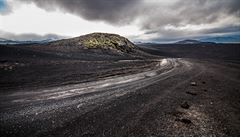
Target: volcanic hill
<point x="103" y="41"/>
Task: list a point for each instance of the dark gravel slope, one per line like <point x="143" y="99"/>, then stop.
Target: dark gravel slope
<point x="196" y="95"/>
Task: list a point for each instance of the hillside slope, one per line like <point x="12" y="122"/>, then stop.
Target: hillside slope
<point x="102" y="41"/>
<point x="93" y="46"/>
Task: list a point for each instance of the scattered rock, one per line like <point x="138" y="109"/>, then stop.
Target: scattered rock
<point x="193" y="84"/>
<point x="184" y="120"/>
<point x="185" y="105"/>
<point x="10" y="68"/>
<point x="176" y="113"/>
<point x="79" y="105"/>
<point x="3" y="61"/>
<point x="191" y="93"/>
<point x="204" y="82"/>
<point x="205" y="90"/>
<point x="88" y="133"/>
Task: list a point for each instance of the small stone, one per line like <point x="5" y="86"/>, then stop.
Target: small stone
<point x="88" y="133"/>
<point x="185" y="105"/>
<point x="183" y="120"/>
<point x="3" y="61"/>
<point x="204" y="82"/>
<point x="79" y="105"/>
<point x="193" y="84"/>
<point x="177" y="119"/>
<point x="186" y="121"/>
<point x="191" y="93"/>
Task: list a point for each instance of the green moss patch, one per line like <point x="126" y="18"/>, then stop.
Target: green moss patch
<point x="107" y="41"/>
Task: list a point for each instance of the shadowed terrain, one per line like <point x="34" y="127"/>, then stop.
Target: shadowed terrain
<point x="92" y="89"/>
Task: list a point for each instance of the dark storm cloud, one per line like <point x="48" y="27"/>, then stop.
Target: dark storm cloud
<point x="29" y="36"/>
<point x="176" y="35"/>
<point x="153" y="16"/>
<point x="225" y="29"/>
<point x="191" y="12"/>
<point x="111" y="11"/>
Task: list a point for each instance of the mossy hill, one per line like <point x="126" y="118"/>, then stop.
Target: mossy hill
<point x="97" y="41"/>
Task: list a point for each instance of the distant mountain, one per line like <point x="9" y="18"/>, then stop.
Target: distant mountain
<point x="189" y="41"/>
<point x="223" y="39"/>
<point x="137" y="42"/>
<point x="4" y="41"/>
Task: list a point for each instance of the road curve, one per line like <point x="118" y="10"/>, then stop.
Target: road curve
<point x="32" y="112"/>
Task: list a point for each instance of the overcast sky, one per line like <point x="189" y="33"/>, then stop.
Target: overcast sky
<point x="139" y="20"/>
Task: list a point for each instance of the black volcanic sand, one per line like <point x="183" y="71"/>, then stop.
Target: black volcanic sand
<point x="152" y="110"/>
<point x="22" y="67"/>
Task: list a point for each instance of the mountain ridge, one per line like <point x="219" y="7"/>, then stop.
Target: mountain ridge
<point x="4" y="41"/>
<point x="192" y="41"/>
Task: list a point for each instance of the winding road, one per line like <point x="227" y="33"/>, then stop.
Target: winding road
<point x="95" y="91"/>
<point x="115" y="106"/>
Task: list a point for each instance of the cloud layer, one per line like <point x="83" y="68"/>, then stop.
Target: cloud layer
<point x="191" y="18"/>
<point x="29" y="36"/>
<point x="157" y="18"/>
<point x="112" y="11"/>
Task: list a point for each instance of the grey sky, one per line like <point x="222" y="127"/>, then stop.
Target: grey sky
<point x="153" y="19"/>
